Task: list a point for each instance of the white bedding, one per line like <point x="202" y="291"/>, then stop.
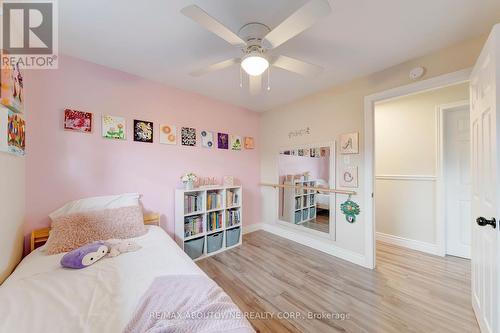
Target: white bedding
<point x="41" y="296"/>
<point x="323" y="200"/>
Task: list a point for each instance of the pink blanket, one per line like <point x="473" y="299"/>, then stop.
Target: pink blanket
<point x="187" y="303"/>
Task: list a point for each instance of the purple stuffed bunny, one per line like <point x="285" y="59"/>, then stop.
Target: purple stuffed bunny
<point x="84" y="256"/>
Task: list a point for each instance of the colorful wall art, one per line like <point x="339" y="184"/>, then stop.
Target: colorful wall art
<point x="188" y="136"/>
<point x="222" y="141"/>
<point x="168" y="134"/>
<point x="249" y="142"/>
<point x="349" y="143"/>
<point x="114" y="127"/>
<point x="78" y="121"/>
<point x="207" y="139"/>
<point x="16" y="133"/>
<point x="143" y="131"/>
<point x="4" y="119"/>
<point x="11" y="88"/>
<point x="236" y="142"/>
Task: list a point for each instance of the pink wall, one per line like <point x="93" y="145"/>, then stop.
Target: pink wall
<point x="63" y="166"/>
<point x="293" y="164"/>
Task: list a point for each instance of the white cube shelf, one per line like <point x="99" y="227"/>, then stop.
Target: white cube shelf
<point x="203" y="205"/>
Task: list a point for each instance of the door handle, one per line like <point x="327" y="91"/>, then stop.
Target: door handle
<point x="483" y="221"/>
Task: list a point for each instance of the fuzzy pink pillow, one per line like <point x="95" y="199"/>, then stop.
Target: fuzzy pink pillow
<point x="71" y="231"/>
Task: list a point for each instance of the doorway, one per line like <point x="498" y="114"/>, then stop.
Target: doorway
<point x="370" y="160"/>
<point x="456" y="177"/>
<point x="421" y="149"/>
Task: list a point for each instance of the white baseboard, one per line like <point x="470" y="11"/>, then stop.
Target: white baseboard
<point x="408" y="243"/>
<point x="315" y="243"/>
<point x="251" y="228"/>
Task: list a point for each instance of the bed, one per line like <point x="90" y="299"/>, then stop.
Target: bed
<point x="40" y="296"/>
<point x="322" y="199"/>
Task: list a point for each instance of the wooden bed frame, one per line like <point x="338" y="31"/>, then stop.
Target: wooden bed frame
<point x="40" y="236"/>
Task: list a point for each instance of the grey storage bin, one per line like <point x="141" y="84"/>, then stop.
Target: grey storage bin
<point x="298" y="216"/>
<point x="312" y="213"/>
<point x="194" y="247"/>
<point x="305" y="214"/>
<point x="214" y="242"/>
<point x="233" y="236"/>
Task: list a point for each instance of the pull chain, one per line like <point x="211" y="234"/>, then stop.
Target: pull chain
<point x="241" y="78"/>
<point x="269" y="79"/>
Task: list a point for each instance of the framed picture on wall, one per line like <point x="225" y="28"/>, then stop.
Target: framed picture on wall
<point x="349" y="176"/>
<point x="188" y="136"/>
<point x="349" y="143"/>
<point x="168" y="134"/>
<point x="12" y="91"/>
<point x="143" y="131"/>
<point x="78" y="121"/>
<point x="4" y="120"/>
<point x="249" y="142"/>
<point x="207" y="139"/>
<point x="16" y="133"/>
<point x="236" y="142"/>
<point x="114" y="127"/>
<point x="222" y="141"/>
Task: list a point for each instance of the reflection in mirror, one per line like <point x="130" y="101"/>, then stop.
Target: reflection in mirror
<point x="305" y="167"/>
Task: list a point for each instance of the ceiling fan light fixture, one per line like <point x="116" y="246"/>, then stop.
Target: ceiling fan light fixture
<point x="254" y="64"/>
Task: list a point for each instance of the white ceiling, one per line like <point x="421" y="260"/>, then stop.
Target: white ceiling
<point x="153" y="40"/>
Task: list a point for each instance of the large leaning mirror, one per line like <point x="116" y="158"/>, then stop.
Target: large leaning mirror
<point x="308" y="208"/>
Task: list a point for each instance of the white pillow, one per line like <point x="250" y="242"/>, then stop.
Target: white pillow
<point x="321" y="182"/>
<point x="97" y="203"/>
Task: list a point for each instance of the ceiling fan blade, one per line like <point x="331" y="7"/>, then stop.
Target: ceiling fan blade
<point x="216" y="67"/>
<point x="208" y="22"/>
<point x="299" y="21"/>
<point x="296" y="66"/>
<point x="255" y="84"/>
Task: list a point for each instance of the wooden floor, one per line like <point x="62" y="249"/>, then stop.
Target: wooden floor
<point x="320" y="223"/>
<point x="272" y="278"/>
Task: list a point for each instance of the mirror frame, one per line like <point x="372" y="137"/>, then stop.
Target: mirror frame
<point x="331" y="235"/>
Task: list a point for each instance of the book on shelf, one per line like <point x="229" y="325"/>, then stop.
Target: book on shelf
<point x="232" y="198"/>
<point x="214" y="221"/>
<point x="214" y="200"/>
<point x="192" y="203"/>
<point x="297" y="203"/>
<point x="193" y="225"/>
<point x="233" y="217"/>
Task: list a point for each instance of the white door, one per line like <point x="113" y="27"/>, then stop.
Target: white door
<point x="485" y="120"/>
<point x="457" y="179"/>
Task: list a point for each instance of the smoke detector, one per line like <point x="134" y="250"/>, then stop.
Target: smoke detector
<point x="416" y="73"/>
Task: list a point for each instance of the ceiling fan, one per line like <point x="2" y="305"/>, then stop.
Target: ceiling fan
<point x="256" y="39"/>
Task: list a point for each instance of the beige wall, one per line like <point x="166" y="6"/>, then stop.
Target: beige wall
<point x="12" y="187"/>
<point x="405" y="162"/>
<point x="341" y="110"/>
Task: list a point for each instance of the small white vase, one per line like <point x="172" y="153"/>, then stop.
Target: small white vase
<point x="188" y="185"/>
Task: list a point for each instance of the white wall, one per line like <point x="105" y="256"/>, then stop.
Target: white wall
<point x="330" y="113"/>
<point x="12" y="189"/>
<point x="12" y="210"/>
<point x="405" y="162"/>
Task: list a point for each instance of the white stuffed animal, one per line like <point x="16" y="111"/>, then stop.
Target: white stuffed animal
<point x="118" y="246"/>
